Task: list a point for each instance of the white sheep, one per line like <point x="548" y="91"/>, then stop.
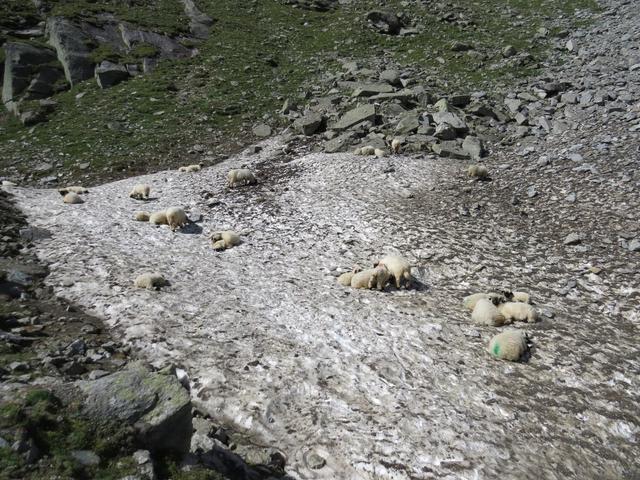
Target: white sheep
<point x="518" y="311"/>
<point x="345" y="278"/>
<point x="72" y="197"/>
<point x="470" y="301"/>
<point x="478" y="171"/>
<point x="367" y="150"/>
<point x="225" y="239"/>
<point x="150" y="281"/>
<point x="371" y="278"/>
<point x="141" y="216"/>
<point x="399" y="268"/>
<point x="176" y="218"/>
<point x="240" y="176"/>
<point x="380" y="152"/>
<point x="74" y="189"/>
<point x="357" y="151"/>
<point x="396" y="145"/>
<point x="140" y="191"/>
<point x="486" y="313"/>
<point x="196" y="167"/>
<point x="509" y="345"/>
<point x="158" y="218"/>
<point x="523" y="297"/>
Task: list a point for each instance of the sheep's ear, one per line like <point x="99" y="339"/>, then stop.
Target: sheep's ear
<point x="63" y="191"/>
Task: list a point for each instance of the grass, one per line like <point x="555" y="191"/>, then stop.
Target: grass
<point x="145" y="124"/>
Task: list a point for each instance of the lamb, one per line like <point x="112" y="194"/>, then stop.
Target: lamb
<point x="521" y="297"/>
<point x="150" y="281"/>
<point x="367" y="150"/>
<point x="225" y="239"/>
<point x="518" y="311"/>
<point x="470" y="301"/>
<point x="191" y="168"/>
<point x="399" y="268"/>
<point x="176" y="218"/>
<point x="345" y="278"/>
<point x="240" y="176"/>
<point x="478" y="171"/>
<point x="396" y="144"/>
<point x="486" y="313"/>
<point x="509" y="345"/>
<point x="380" y="152"/>
<point x="74" y="189"/>
<point x="158" y="218"/>
<point x="72" y="197"/>
<point x="141" y="216"/>
<point x="377" y="277"/>
<point x="140" y="191"/>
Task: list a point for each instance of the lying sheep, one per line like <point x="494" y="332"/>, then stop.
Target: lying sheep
<point x="396" y="145"/>
<point x="380" y="152"/>
<point x="196" y="167"/>
<point x="150" y="281"/>
<point x="367" y="150"/>
<point x="371" y="278"/>
<point x="521" y="297"/>
<point x="518" y="311"/>
<point x="478" y="171"/>
<point x="72" y="197"/>
<point x="345" y="278"/>
<point x="225" y="239"/>
<point x="399" y="268"/>
<point x="141" y="216"/>
<point x="176" y="218"/>
<point x="240" y="176"/>
<point x="140" y="191"/>
<point x="509" y="345"/>
<point x="486" y="313"/>
<point x="74" y="189"/>
<point x="470" y="301"/>
<point x="158" y="218"/>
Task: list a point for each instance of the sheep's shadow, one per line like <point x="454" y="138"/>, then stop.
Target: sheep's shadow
<point x="234" y="467"/>
<point x="191" y="229"/>
<point x="145" y="200"/>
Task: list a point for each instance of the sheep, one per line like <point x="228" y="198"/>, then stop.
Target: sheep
<point x="240" y="176"/>
<point x="486" y="313"/>
<point x="509" y="345"/>
<point x="371" y="278"/>
<point x="357" y="151"/>
<point x="141" y="216"/>
<point x="191" y="168"/>
<point x="470" y="301"/>
<point x="150" y="281"/>
<point x="72" y="197"/>
<point x="176" y="218"/>
<point x="74" y="189"/>
<point x="345" y="278"/>
<point x="158" y="218"/>
<point x="478" y="171"/>
<point x="368" y="150"/>
<point x="523" y="297"/>
<point x="399" y="267"/>
<point x="518" y="311"/>
<point x="225" y="239"/>
<point x="380" y="152"/>
<point x="396" y="144"/>
<point x="140" y="191"/>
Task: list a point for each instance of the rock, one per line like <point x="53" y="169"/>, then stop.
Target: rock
<point x="309" y="123"/>
<point x="86" y="458"/>
<point x="459" y="101"/>
<point x="508" y="51"/>
<point x="449" y="150"/>
<point x="359" y="114"/>
<point x="634" y="245"/>
<point x="369" y="89"/>
<point x="573" y="239"/>
<point x="452" y="119"/>
<point x="442" y="105"/>
<point x="513" y="104"/>
<point x="199" y="22"/>
<point x="315" y="461"/>
<point x="157" y="405"/>
<point x="570" y="45"/>
<point x="392" y="77"/>
<point x="444" y="131"/>
<point x="77" y="347"/>
<point x="338" y="143"/>
<point x="262" y="130"/>
<point x="288" y="106"/>
<point x="531" y="191"/>
<point x="72" y="45"/>
<point x="509" y="345"/>
<point x="109" y="74"/>
<point x="408" y="124"/>
<point x="385" y="22"/>
<point x="473" y="146"/>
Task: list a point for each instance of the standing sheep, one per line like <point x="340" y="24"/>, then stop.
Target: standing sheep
<point x="377" y="277"/>
<point x="509" y="345"/>
<point x="72" y="197"/>
<point x="158" y="218"/>
<point x="150" y="281"/>
<point x="140" y="191"/>
<point x="240" y="176"/>
<point x="176" y="218"/>
<point x="399" y="268"/>
<point x="486" y="313"/>
<point x="396" y="145"/>
<point x="518" y="311"/>
<point x="478" y="171"/>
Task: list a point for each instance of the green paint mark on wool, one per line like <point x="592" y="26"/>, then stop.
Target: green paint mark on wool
<point x="496" y="349"/>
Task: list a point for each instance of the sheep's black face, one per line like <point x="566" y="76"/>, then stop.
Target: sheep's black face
<point x="508" y="294"/>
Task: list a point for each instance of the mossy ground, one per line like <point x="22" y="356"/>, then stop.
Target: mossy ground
<point x="258" y="54"/>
